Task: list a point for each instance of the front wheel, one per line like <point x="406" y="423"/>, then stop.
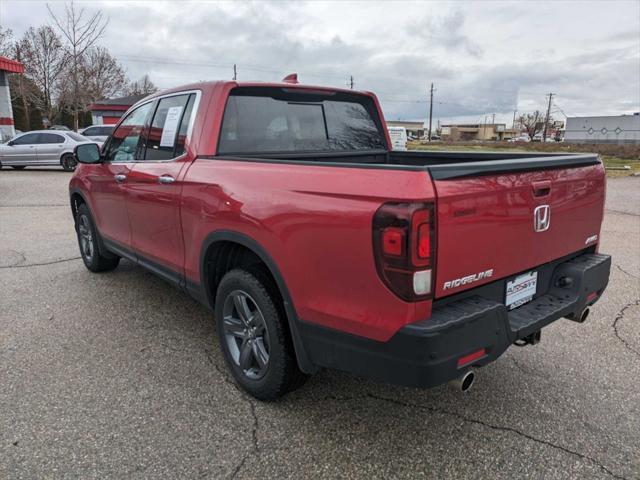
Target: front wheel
<point x="88" y="243"/>
<point x="254" y="336"/>
<point x="68" y="162"/>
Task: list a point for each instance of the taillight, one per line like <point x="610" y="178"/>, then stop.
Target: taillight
<point x="403" y="244"/>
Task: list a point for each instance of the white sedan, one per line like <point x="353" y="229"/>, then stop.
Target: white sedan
<point x="41" y="148"/>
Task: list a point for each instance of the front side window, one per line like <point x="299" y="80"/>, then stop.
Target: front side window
<point x="126" y="144"/>
<point x="168" y="131"/>
<point x="277" y="120"/>
<point x="28" y="139"/>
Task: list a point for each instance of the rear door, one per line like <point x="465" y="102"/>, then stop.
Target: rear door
<point x="154" y="185"/>
<point x="49" y="148"/>
<point x="494" y="226"/>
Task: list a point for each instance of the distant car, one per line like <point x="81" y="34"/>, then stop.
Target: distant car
<point x="522" y="138"/>
<point x="60" y="127"/>
<point x="98" y="133"/>
<point x="41" y="148"/>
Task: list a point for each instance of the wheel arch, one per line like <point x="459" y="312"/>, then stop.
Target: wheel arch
<point x="210" y="247"/>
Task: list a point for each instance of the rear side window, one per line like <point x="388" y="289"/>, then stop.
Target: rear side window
<point x="169" y="127"/>
<point x="46" y="138"/>
<point x="275" y="120"/>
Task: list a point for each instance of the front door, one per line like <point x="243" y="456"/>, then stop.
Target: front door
<point x="109" y="179"/>
<point x="21" y="150"/>
<point x="154" y="186"/>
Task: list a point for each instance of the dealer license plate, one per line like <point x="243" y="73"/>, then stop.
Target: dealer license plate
<point x="521" y="290"/>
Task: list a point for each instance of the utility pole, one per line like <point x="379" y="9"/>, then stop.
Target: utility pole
<point x="235" y="72"/>
<point x="430" y="112"/>
<point x="513" y="125"/>
<point x="351" y="82"/>
<point x="546" y="120"/>
<point x="493" y="119"/>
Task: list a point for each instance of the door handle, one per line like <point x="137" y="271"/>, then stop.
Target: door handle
<point x="121" y="177"/>
<point x="166" y="179"/>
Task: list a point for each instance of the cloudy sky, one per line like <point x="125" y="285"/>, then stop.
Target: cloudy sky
<point x="484" y="57"/>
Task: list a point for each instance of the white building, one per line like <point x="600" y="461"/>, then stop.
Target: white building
<point x="614" y="129"/>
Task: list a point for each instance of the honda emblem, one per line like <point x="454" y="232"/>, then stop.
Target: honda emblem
<point x="542" y="218"/>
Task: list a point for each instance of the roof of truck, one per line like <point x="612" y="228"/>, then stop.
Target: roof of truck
<point x="210" y="85"/>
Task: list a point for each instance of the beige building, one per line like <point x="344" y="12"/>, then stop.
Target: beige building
<point x="415" y="129"/>
<point x="478" y="131"/>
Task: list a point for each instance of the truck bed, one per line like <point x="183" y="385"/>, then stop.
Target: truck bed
<point x="441" y="165"/>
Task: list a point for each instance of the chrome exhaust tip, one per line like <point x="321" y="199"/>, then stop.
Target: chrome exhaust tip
<point x="580" y="318"/>
<point x="464" y="382"/>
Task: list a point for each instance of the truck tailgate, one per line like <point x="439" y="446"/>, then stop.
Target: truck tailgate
<point x="490" y="227"/>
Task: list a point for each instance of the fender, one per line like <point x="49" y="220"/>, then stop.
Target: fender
<point x="101" y="246"/>
<point x="304" y="362"/>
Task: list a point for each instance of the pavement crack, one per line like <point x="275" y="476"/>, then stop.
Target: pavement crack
<point x="255" y="445"/>
<point x="35" y="205"/>
<point x="497" y="428"/>
<point x="626" y="272"/>
<point x="25" y="265"/>
<point x="620" y="212"/>
<point x="616" y="322"/>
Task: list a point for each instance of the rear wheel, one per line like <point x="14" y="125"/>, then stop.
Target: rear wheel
<point x="88" y="243"/>
<point x="19" y="167"/>
<point x="254" y="336"/>
<point x="68" y="162"/>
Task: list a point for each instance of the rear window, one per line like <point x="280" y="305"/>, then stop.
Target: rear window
<point x="260" y="120"/>
<point x="77" y="137"/>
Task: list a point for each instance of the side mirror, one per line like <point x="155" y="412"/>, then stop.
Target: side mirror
<point x="87" y="153"/>
<point x="11" y="143"/>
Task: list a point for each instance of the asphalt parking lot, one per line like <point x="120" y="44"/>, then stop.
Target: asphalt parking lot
<point x="119" y="375"/>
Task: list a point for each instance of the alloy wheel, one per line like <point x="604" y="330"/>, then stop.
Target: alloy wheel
<point x="86" y="238"/>
<point x="246" y="334"/>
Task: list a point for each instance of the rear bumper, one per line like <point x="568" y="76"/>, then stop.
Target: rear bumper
<point x="426" y="353"/>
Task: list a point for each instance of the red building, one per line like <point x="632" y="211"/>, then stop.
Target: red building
<point x="108" y="112"/>
<point x="6" y="112"/>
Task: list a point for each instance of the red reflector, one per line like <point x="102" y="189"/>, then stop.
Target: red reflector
<point x="424" y="241"/>
<point x="592" y="296"/>
<point x="467" y="359"/>
<point x="392" y="240"/>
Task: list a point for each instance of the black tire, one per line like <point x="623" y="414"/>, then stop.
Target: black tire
<point x="68" y="162"/>
<point x="281" y="373"/>
<point x="19" y="167"/>
<point x="88" y="242"/>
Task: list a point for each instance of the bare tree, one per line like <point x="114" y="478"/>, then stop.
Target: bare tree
<point x="6" y="42"/>
<point x="532" y="123"/>
<point x="101" y="76"/>
<point x="44" y="58"/>
<point x="143" y="86"/>
<point x="81" y="32"/>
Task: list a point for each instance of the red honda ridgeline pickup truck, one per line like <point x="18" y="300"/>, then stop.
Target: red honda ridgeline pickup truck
<point x="283" y="208"/>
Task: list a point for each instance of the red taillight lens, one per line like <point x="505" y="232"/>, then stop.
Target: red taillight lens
<point x="424" y="241"/>
<point x="403" y="240"/>
<point x="392" y="241"/>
